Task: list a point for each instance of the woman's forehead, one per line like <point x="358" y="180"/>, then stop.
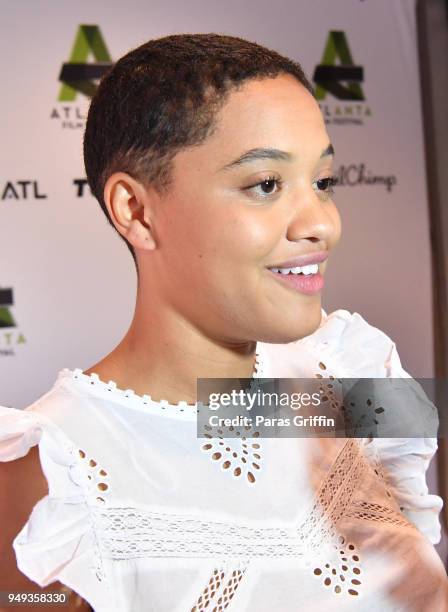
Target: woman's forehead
<point x="280" y="109"/>
<point x="276" y="114"/>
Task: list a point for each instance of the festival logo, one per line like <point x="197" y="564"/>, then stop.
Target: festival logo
<point x="9" y="336"/>
<point x="79" y="77"/>
<point x="339" y="83"/>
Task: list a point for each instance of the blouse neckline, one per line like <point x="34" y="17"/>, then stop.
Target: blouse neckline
<point x="92" y="383"/>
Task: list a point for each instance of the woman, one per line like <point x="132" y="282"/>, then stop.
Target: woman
<point x="209" y="156"/>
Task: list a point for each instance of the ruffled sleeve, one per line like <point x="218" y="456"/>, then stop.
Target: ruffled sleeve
<point x="405" y="462"/>
<point x="19" y="431"/>
<point x="359" y="350"/>
<point x="55" y="539"/>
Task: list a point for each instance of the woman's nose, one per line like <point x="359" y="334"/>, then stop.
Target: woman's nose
<point x="314" y="220"/>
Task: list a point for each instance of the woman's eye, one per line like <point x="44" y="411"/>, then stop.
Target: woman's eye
<point x="272" y="185"/>
<point x="265" y="188"/>
<point x="326" y="185"/>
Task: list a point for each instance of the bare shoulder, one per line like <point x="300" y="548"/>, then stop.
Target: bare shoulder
<point x="23" y="484"/>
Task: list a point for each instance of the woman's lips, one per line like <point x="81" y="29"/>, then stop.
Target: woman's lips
<point x="309" y="283"/>
<point x="303" y="260"/>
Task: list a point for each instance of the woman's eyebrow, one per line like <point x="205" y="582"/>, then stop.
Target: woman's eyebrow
<point x="267" y="153"/>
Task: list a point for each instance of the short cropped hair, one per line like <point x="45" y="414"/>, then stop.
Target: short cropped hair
<point x="163" y="97"/>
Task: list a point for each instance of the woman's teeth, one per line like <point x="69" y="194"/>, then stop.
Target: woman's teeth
<point x="311" y="269"/>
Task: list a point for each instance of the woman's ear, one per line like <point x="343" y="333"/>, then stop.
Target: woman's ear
<point x="129" y="205"/>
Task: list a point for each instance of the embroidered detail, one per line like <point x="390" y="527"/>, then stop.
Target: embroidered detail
<point x="369" y="511"/>
<point x="335" y="494"/>
<point x="130" y="532"/>
<point x="238" y="456"/>
<point x="127" y="533"/>
<point x="361" y="420"/>
<point x="128" y="395"/>
<point x="112" y="390"/>
<point x="216" y="593"/>
<point x="377" y="467"/>
<point x="343" y="572"/>
<point x="209" y="591"/>
<point x="259" y="365"/>
<point x="95" y="480"/>
<point x="97" y="477"/>
<point x="329" y="389"/>
<point x="354" y="418"/>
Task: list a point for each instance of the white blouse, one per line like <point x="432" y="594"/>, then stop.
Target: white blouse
<point x="144" y="515"/>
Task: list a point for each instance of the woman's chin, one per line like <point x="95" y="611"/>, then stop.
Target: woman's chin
<point x="286" y="330"/>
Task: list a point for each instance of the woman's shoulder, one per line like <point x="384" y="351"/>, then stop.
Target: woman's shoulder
<point x="39" y="476"/>
<point x="64" y="412"/>
<point x="23" y="484"/>
<point x="22" y="429"/>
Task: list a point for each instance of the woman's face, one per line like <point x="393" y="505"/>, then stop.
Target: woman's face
<point x="223" y="224"/>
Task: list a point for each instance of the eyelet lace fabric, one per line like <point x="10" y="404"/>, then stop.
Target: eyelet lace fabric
<point x="317" y="542"/>
<point x="316" y="524"/>
<point x="218" y="593"/>
<point x="128" y="532"/>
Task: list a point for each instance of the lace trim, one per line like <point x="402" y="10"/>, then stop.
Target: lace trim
<point x="368" y="511"/>
<point x="335" y="495"/>
<point x="217" y="592"/>
<point x="129" y="397"/>
<point x="130" y="532"/>
<point x="341" y="573"/>
<point x="317" y="542"/>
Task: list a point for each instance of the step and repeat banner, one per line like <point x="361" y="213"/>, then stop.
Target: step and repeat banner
<point x="67" y="282"/>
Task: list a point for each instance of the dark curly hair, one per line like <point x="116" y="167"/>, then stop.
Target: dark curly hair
<point x="162" y="97"/>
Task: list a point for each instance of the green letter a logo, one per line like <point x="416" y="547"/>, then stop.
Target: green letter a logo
<point x="77" y="75"/>
<point x="6" y="318"/>
<point x="328" y="75"/>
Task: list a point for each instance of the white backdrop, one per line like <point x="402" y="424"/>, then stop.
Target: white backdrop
<point x="66" y="279"/>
